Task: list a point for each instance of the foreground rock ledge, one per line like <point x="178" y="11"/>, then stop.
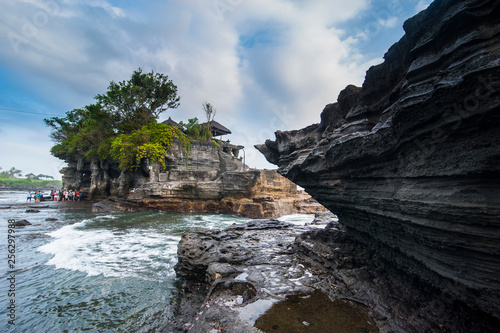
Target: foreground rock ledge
<point x="410" y="162"/>
<point x="230" y="277"/>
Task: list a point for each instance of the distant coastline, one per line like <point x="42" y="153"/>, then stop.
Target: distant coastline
<point x="26" y="184"/>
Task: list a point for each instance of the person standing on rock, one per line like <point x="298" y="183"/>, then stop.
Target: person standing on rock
<point x="28" y="198"/>
<point x="38" y="196"/>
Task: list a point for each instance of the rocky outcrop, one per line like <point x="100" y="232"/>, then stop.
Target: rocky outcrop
<point x="210" y="179"/>
<point x="251" y="193"/>
<point x="104" y="178"/>
<point x="21" y="223"/>
<point x="410" y="161"/>
<point x="269" y="275"/>
<point x="232" y="277"/>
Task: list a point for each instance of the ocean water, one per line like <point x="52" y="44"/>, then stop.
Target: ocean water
<point x="90" y="272"/>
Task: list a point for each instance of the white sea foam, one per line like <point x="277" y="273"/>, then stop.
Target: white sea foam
<point x="297" y="219"/>
<point x="116" y="253"/>
<point x="146" y="250"/>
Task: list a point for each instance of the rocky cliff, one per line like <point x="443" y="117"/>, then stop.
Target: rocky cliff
<point x="211" y="178"/>
<point x="410" y="161"/>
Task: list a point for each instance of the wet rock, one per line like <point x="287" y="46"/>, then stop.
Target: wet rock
<point x="31" y="210"/>
<point x="231" y="277"/>
<point x="116" y="205"/>
<point x="409" y="162"/>
<point x="247" y="268"/>
<point x="51" y="219"/>
<point x="243" y="268"/>
<point x="36" y="236"/>
<point x="21" y="223"/>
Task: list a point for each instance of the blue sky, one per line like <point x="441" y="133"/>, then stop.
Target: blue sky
<point x="265" y="65"/>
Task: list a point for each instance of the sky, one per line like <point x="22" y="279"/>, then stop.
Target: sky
<point x="264" y="65"/>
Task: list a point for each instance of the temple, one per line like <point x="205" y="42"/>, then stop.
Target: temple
<point x="217" y="129"/>
<point x="172" y="123"/>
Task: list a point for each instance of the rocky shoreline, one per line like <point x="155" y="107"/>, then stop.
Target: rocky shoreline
<point x="231" y="277"/>
<point x="410" y="161"/>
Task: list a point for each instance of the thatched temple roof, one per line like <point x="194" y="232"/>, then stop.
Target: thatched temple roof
<point x="172" y="123"/>
<point x="217" y="129"/>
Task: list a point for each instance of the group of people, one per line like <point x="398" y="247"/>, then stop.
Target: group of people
<point x="65" y="195"/>
<point x="55" y="195"/>
<point x="37" y="195"/>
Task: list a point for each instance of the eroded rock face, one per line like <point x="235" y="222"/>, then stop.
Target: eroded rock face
<point x="410" y="161"/>
<point x="210" y="179"/>
<point x="250" y="193"/>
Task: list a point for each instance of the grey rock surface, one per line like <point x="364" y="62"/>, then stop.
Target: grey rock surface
<point x="232" y="277"/>
<point x="410" y="161"/>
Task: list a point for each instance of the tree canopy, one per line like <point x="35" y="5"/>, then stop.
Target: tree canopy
<point x="11" y="173"/>
<point x="139" y="101"/>
<point x="123" y="116"/>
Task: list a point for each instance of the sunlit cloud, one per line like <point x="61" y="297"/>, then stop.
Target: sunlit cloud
<point x="264" y="65"/>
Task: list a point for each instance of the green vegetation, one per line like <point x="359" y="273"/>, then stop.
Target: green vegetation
<point x="11" y="173"/>
<point x="122" y="124"/>
<point x="32" y="176"/>
<point x="151" y="141"/>
<point x="28" y="184"/>
<point x="195" y="131"/>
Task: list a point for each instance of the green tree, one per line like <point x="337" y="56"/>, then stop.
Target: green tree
<point x="192" y="128"/>
<point x="30" y="176"/>
<point x="126" y="107"/>
<point x="122" y="125"/>
<point x="14" y="172"/>
<point x="140" y="100"/>
<point x="85" y="133"/>
<point x="42" y="176"/>
<point x="210" y="113"/>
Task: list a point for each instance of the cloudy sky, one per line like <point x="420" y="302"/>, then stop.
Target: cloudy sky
<point x="265" y="65"/>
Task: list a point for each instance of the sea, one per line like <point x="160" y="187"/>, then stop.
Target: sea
<point x="75" y="271"/>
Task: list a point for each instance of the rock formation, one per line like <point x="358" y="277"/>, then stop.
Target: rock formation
<point x="410" y="161"/>
<point x="231" y="277"/>
<point x="210" y="179"/>
<point x="259" y="274"/>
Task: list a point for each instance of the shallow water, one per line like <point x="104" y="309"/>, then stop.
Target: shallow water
<point x="316" y="313"/>
<point x="92" y="272"/>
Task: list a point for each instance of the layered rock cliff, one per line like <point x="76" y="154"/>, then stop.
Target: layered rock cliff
<point x="211" y="178"/>
<point x="410" y="161"/>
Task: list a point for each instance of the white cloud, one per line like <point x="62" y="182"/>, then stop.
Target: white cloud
<point x="388" y="23"/>
<point x="297" y="64"/>
<point x="422" y="4"/>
